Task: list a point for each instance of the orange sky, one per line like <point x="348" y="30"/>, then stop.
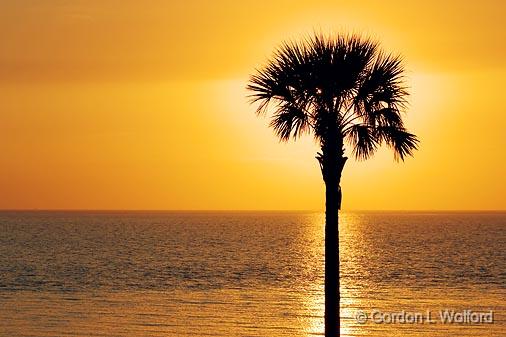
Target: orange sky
<point x="141" y="105"/>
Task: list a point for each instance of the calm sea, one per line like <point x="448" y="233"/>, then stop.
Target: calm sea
<point x="249" y="274"/>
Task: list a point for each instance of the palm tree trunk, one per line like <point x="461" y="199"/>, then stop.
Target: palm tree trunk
<point x="332" y="177"/>
<point x="332" y="296"/>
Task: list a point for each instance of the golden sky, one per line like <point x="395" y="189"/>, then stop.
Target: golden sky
<point x="141" y="105"/>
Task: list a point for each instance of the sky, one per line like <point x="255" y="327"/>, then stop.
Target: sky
<point x="142" y="105"/>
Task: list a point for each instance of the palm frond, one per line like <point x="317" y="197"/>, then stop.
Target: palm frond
<point x="363" y="140"/>
<point x="289" y="121"/>
<point x="398" y="139"/>
<point x="385" y="117"/>
<point x="382" y="87"/>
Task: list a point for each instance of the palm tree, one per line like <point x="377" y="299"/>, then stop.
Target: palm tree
<point x="342" y="90"/>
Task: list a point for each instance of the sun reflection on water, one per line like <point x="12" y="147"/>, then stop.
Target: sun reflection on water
<point x="314" y="301"/>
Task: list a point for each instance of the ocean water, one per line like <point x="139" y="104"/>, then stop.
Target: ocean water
<point x="249" y="273"/>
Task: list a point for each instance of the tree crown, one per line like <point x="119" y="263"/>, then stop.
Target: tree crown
<point x="343" y="87"/>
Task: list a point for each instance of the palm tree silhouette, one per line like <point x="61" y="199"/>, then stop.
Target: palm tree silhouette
<point x="343" y="90"/>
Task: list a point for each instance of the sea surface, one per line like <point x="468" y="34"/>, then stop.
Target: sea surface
<point x="249" y="273"/>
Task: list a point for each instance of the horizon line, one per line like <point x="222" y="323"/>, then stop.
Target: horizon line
<point x="236" y="210"/>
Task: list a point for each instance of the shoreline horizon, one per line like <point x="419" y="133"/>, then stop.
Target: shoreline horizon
<point x="105" y="210"/>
